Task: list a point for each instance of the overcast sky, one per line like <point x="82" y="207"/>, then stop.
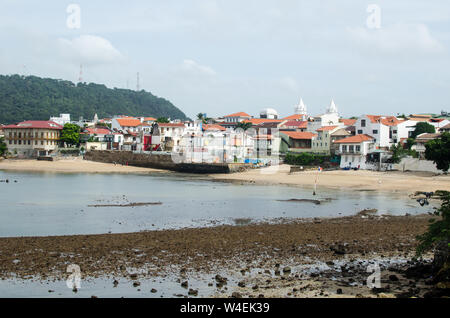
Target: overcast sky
<point x="220" y="57"/>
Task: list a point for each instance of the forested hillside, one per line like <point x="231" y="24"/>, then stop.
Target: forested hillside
<point x="35" y="98"/>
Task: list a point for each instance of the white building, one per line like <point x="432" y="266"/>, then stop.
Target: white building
<point x="61" y="120"/>
<point x="126" y="124"/>
<point x="354" y="150"/>
<point x="330" y="118"/>
<point x="374" y="126"/>
<point x="237" y="117"/>
<point x="268" y="113"/>
<point x="322" y="142"/>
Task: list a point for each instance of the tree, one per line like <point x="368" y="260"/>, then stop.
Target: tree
<point x="199" y="116"/>
<point x="437" y="230"/>
<point x="3" y="147"/>
<point x="438" y="150"/>
<point x="244" y="125"/>
<point x="162" y="120"/>
<point x="71" y="134"/>
<point x="33" y="98"/>
<point x="409" y="143"/>
<point x="421" y="128"/>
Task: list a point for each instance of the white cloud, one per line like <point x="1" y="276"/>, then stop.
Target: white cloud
<point x="195" y="68"/>
<point x="290" y="83"/>
<point x="413" y="38"/>
<point x="89" y="50"/>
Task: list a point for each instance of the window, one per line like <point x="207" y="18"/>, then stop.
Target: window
<point x="360" y="132"/>
<point x="363" y="123"/>
<point x="10" y="142"/>
<point x="358" y="148"/>
<point x="375" y="132"/>
<point x="344" y="148"/>
<point x="350" y="148"/>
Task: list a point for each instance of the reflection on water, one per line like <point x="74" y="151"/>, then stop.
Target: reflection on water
<point x="42" y="204"/>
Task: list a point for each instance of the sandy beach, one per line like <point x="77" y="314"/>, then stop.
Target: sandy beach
<point x="363" y="180"/>
<point x="70" y="165"/>
<point x="393" y="181"/>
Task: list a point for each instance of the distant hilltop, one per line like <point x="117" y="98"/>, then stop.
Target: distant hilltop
<point x="31" y="97"/>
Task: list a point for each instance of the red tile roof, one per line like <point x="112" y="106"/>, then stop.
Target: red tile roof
<point x="299" y="135"/>
<point x="257" y="121"/>
<point x="347" y="122"/>
<point x="390" y="121"/>
<point x="213" y="127"/>
<point x="354" y="139"/>
<point x="35" y="124"/>
<point x="294" y="117"/>
<point x="373" y="118"/>
<point x="326" y="128"/>
<point x="171" y="125"/>
<point x="149" y="119"/>
<point x="128" y="122"/>
<point x="296" y="123"/>
<point x="98" y="131"/>
<point x="385" y="120"/>
<point x="240" y="114"/>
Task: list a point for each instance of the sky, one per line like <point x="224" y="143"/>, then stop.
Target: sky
<point x="220" y="57"/>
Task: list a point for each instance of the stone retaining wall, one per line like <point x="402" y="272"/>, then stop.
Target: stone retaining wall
<point x="160" y="161"/>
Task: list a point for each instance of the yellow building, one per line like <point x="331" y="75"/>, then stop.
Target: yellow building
<point x="32" y="138"/>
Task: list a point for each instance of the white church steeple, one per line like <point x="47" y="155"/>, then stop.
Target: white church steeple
<point x="332" y="109"/>
<point x="300" y="109"/>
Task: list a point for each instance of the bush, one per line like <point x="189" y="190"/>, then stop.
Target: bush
<point x="306" y="159"/>
<point x="437" y="230"/>
<point x="70" y="151"/>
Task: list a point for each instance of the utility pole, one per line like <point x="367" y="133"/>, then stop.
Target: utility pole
<point x="80" y="78"/>
<point x="137" y="82"/>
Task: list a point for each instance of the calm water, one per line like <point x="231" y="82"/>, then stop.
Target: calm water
<point x="41" y="204"/>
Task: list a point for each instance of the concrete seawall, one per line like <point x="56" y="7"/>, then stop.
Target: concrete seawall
<point x="161" y="161"/>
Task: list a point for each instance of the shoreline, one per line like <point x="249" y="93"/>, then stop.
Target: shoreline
<point x="403" y="183"/>
<point x="72" y="165"/>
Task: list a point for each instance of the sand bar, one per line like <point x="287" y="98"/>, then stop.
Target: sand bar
<point x="362" y="180"/>
<point x="71" y="165"/>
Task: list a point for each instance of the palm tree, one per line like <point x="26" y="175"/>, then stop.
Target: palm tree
<point x="199" y="116"/>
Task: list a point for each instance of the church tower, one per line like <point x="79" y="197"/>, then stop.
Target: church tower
<point x="300" y="109"/>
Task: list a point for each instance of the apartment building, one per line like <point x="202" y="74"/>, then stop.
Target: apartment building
<point x="32" y="138"/>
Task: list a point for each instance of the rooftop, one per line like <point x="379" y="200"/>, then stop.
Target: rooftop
<point x="327" y="128"/>
<point x="299" y="135"/>
<point x="128" y="122"/>
<point x="240" y="114"/>
<point x="35" y="124"/>
<point x="354" y="139"/>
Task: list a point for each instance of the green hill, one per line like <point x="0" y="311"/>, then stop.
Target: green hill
<point x="35" y="98"/>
